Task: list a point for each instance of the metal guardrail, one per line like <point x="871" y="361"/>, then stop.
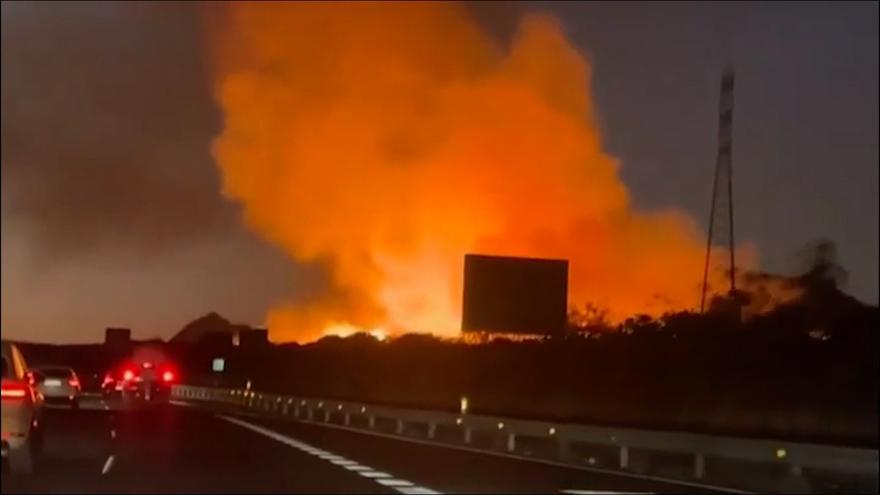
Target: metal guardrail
<point x="624" y="450"/>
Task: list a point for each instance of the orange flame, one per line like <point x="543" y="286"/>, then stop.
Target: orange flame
<point x="387" y="140"/>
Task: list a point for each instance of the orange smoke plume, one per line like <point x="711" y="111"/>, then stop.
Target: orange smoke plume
<point x="386" y="140"/>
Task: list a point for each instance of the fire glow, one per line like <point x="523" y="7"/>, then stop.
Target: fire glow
<point x="386" y="140"/>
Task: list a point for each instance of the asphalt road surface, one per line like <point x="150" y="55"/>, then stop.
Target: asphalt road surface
<point x="118" y="448"/>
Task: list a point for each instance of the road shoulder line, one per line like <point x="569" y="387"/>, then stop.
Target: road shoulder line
<point x="644" y="477"/>
<point x="384" y="479"/>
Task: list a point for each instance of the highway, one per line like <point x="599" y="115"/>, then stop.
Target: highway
<point x="169" y="448"/>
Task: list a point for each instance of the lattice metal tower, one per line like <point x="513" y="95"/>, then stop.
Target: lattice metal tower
<point x="721" y="211"/>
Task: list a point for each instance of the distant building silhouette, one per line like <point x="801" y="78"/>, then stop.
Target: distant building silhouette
<point x="216" y="332"/>
<point x="117" y="338"/>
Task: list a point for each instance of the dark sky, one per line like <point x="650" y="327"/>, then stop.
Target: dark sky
<point x="111" y="210"/>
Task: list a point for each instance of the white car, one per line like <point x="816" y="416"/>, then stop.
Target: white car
<point x="21" y="408"/>
<point x="58" y="385"/>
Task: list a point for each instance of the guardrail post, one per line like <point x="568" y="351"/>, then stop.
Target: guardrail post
<point x="795" y="482"/>
<point x="432" y="430"/>
<point x="699" y="466"/>
<point x="371" y="422"/>
<point x="347" y="419"/>
<point x="296" y="411"/>
<point x="399" y="429"/>
<point x="467" y="435"/>
<point x="327" y="415"/>
<point x="624" y="457"/>
<point x="511" y="442"/>
<point x="310" y="413"/>
<point x="563" y="450"/>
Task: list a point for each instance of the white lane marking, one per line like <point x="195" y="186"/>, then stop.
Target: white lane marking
<point x="108" y="464"/>
<point x="330" y="457"/>
<point x="601" y="492"/>
<point x="358" y="467"/>
<point x="384" y="479"/>
<point x="547" y="462"/>
<point x="180" y="403"/>
<point x="416" y="490"/>
<point x="112" y="433"/>
<point x="374" y="474"/>
<point x="394" y="483"/>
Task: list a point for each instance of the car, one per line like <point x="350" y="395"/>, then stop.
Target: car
<point x="59" y="385"/>
<point x="140" y="379"/>
<point x="21" y="412"/>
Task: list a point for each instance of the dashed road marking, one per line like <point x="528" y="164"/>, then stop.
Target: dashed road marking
<point x="108" y="464"/>
<point x="394" y="483"/>
<point x="358" y="467"/>
<point x="601" y="492"/>
<point x="401" y="486"/>
<point x="546" y="462"/>
<point x="416" y="490"/>
<point x="374" y="474"/>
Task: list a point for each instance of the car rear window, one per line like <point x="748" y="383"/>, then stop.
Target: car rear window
<point x="6" y="368"/>
<point x="55" y="372"/>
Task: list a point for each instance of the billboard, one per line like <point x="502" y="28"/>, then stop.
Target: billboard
<point x="514" y="295"/>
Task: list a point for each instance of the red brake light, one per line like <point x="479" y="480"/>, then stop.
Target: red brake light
<point x="73" y="382"/>
<point x="14" y="389"/>
<point x="128" y="375"/>
<point x="168" y="376"/>
<point x="108" y="379"/>
<point x="147" y="365"/>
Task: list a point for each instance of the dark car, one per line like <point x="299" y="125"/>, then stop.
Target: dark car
<point x="140" y="379"/>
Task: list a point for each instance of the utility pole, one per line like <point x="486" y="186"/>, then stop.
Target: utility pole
<point x="721" y="211"/>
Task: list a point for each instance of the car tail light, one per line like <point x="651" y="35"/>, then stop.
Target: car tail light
<point x="108" y="379"/>
<point x="168" y="376"/>
<point x="128" y="375"/>
<point x="73" y="382"/>
<point x="14" y="389"/>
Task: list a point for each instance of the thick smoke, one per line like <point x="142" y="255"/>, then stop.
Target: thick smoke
<point x="388" y="140"/>
<point x="111" y="209"/>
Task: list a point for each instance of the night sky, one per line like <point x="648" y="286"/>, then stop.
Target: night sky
<point x="111" y="206"/>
